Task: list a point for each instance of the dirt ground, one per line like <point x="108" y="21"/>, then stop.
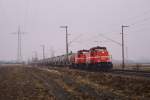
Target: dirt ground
<point x="41" y="83"/>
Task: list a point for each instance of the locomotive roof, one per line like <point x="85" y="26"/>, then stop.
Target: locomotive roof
<point x="83" y="50"/>
<point x="98" y="47"/>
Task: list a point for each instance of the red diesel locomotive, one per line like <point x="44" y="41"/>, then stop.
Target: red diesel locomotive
<point x="99" y="58"/>
<point x="95" y="58"/>
<point x="80" y="58"/>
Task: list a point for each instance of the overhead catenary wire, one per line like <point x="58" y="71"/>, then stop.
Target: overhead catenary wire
<point x="139" y="15"/>
<point x="75" y="39"/>
<point x="131" y="24"/>
<point x="114" y="41"/>
<point x="140" y="21"/>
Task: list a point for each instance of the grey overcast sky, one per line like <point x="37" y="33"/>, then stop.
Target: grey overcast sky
<point x="87" y="19"/>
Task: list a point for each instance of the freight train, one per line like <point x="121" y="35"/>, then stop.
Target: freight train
<point x="96" y="58"/>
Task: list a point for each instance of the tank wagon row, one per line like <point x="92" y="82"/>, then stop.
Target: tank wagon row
<point x="95" y="58"/>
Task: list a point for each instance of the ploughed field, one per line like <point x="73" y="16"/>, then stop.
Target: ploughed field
<point x="51" y="83"/>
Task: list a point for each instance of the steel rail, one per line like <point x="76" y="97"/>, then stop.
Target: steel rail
<point x="145" y="74"/>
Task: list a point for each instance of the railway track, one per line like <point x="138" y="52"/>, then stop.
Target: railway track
<point x="144" y="74"/>
<point x="131" y="73"/>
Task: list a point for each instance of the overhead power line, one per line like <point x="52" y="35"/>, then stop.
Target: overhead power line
<point x="19" y="48"/>
<point x="116" y="42"/>
<point x="139" y="15"/>
<point x="75" y="39"/>
<point x="139" y="21"/>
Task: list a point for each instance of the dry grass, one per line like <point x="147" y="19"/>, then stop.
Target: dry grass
<point x="34" y="83"/>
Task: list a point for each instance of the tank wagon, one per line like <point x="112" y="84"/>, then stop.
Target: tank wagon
<point x="96" y="58"/>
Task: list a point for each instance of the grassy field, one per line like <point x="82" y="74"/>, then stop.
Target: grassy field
<point x="53" y="83"/>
